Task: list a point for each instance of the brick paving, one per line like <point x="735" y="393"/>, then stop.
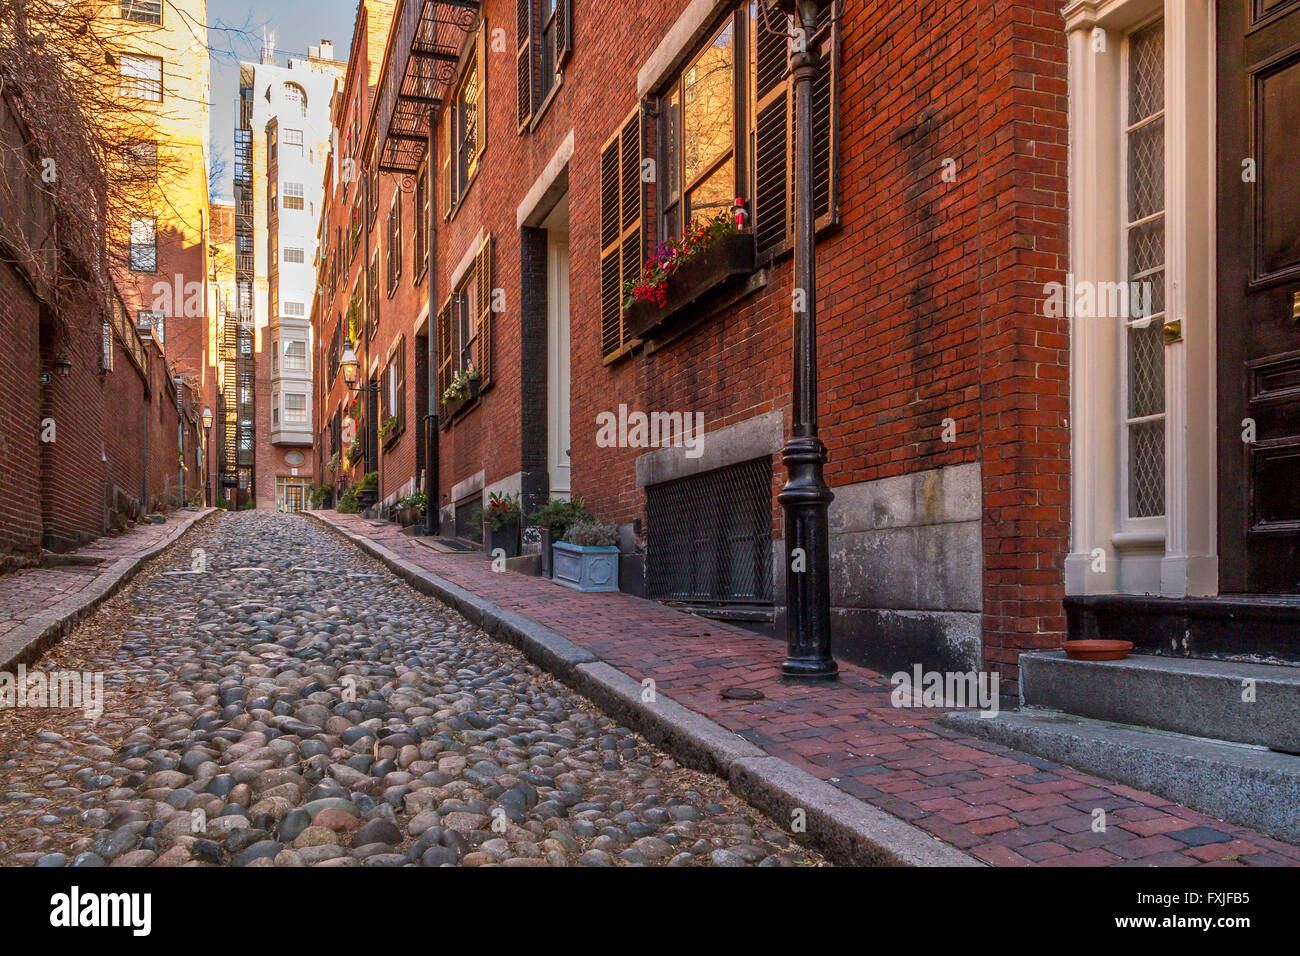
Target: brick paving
<point x="26" y="593"/>
<point x="1001" y="806"/>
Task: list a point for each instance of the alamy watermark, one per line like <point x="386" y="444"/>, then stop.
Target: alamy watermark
<point x="1130" y="301"/>
<point x="629" y="429"/>
<point x="58" y="690"/>
<point x="945" y="689"/>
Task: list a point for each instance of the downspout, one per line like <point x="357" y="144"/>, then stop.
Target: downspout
<point x="432" y="480"/>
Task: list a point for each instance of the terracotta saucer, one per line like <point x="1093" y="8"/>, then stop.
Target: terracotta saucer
<point x="1097" y="650"/>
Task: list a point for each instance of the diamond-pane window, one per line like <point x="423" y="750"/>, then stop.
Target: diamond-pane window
<point x="1144" y="356"/>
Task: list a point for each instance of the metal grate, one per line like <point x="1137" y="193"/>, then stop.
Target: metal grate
<point x="709" y="537"/>
<point x="466" y="526"/>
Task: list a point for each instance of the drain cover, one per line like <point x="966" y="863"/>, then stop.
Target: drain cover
<point x="742" y="693"/>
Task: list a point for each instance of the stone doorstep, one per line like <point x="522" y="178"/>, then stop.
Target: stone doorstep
<point x="848" y="831"/>
<point x="1196" y="697"/>
<point x="1241" y="784"/>
<point x="26" y="642"/>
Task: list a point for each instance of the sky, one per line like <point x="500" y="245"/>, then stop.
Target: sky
<point x="235" y="34"/>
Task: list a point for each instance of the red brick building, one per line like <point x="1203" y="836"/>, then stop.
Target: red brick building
<point x="571" y="140"/>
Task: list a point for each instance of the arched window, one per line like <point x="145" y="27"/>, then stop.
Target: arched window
<point x="294" y="95"/>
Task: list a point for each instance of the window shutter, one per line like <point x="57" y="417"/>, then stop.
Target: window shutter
<point x="621" y="211"/>
<point x="563" y="31"/>
<point x="775" y="130"/>
<point x="397" y="239"/>
<point x="826" y="121"/>
<point x="483" y="308"/>
<point x="480" y="106"/>
<point x="524" y="62"/>
<point x="444" y="349"/>
<point x="450" y="148"/>
<point x="771" y="106"/>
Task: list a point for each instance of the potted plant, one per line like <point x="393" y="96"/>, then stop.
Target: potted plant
<point x="553" y="519"/>
<point x="500" y="521"/>
<point x="410" y="509"/>
<point x="587" y="559"/>
<point x="709" y="256"/>
<point x="388" y="428"/>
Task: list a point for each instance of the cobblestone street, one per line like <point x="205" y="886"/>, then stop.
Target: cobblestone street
<point x="274" y="697"/>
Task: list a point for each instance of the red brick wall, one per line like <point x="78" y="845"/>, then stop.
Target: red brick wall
<point x="20" y="513"/>
<point x="930" y="291"/>
<point x="71" y="465"/>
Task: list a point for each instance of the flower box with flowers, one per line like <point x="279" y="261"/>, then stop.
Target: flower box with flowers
<point x="711" y="256"/>
<point x="460" y="395"/>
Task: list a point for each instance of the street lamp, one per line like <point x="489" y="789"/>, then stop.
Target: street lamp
<point x="351" y="370"/>
<point x="806" y="497"/>
<point x="207" y="452"/>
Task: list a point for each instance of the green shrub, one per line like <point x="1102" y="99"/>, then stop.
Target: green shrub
<point x="348" y="504"/>
<point x="592" y="534"/>
<point x="559" y="514"/>
<point x="370" y="482"/>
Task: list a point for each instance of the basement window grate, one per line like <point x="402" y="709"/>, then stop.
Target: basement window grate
<point x="709" y="536"/>
<point x="466" y="526"/>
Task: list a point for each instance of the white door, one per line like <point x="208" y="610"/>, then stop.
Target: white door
<point x="557" y="377"/>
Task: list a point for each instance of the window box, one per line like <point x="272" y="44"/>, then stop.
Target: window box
<point x="720" y="266"/>
<point x="452" y="408"/>
<point x="590" y="570"/>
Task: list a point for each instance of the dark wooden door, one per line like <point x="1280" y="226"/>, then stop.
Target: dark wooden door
<point x="1259" y="296"/>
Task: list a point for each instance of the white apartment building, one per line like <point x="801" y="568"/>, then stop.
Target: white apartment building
<point x="287" y="113"/>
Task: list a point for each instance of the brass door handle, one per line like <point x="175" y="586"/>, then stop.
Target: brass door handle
<point x="1173" y="331"/>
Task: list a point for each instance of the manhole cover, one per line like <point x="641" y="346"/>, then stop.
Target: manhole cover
<point x="742" y="693"/>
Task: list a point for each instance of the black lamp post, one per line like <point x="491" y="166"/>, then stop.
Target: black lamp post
<point x="207" y="451"/>
<point x="351" y="370"/>
<point x="806" y="497"/>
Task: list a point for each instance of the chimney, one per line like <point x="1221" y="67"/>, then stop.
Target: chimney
<point x="327" y="49"/>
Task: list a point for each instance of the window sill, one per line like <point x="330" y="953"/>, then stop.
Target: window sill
<point x="459" y="201"/>
<point x="538" y="116"/>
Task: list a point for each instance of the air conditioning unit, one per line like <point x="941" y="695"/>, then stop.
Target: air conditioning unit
<point x="144" y="326"/>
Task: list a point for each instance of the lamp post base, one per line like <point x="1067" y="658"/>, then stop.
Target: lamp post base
<point x="806" y="499"/>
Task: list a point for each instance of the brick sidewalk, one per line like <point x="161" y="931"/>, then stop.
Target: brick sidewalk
<point x="32" y="597"/>
<point x="1001" y="806"/>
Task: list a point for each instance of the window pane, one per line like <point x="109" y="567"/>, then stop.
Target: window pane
<point x="715" y="194"/>
<point x="142" y="77"/>
<point x="672" y="131"/>
<point x="709" y="90"/>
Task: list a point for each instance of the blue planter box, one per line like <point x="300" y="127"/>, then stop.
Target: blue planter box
<point x="586" y="569"/>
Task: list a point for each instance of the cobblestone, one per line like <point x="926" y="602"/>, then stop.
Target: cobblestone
<point x="295" y="704"/>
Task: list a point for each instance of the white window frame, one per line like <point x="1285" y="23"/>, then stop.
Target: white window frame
<point x="1151" y="528"/>
<point x="139" y="84"/>
<point x="294" y="416"/>
<point x="1107" y="555"/>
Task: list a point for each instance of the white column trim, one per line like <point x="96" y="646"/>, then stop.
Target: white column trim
<point x="1182" y="561"/>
